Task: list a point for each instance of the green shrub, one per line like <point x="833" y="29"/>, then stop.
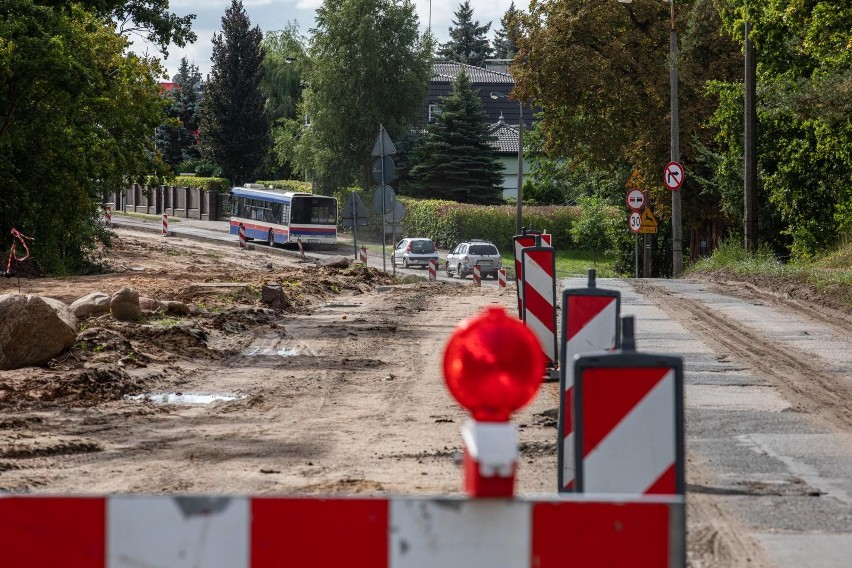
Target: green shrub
<point x="288" y="185"/>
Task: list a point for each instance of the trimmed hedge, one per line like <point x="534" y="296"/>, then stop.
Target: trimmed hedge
<point x="448" y="223"/>
<point x="289" y="185"/>
<point x="219" y="185"/>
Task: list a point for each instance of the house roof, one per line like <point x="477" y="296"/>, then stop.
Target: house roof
<point x="447" y="71"/>
<point x="506" y="137"/>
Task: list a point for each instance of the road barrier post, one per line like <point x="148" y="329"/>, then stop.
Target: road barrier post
<point x="590" y="323"/>
<point x="242" y="236"/>
<point x="109" y="216"/>
<point x="165" y="225"/>
<point x="301" y="248"/>
<point x="363" y="255"/>
<point x="528" y="239"/>
<point x="538" y="264"/>
<point x="501" y="278"/>
<point x="477" y="275"/>
<point x="433" y="270"/>
<point x="628" y="417"/>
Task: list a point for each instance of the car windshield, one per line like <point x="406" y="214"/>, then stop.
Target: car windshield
<point x="422" y="246"/>
<point x="483" y="249"/>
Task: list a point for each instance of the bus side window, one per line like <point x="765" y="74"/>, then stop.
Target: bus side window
<point x="285" y="214"/>
<point x="276" y="213"/>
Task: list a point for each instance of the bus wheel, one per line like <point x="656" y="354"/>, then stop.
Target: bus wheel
<point x="270" y="238"/>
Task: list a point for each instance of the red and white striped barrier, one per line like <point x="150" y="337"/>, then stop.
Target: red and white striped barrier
<point x="629" y="437"/>
<point x="433" y="270"/>
<point x="362" y="255"/>
<point x="242" y="236"/>
<point x="590" y="323"/>
<point x="501" y="278"/>
<point x="477" y="275"/>
<point x="301" y="248"/>
<point x="165" y="225"/>
<point x="260" y="532"/>
<point x="109" y="216"/>
<point x="538" y="264"/>
<point x="521" y="241"/>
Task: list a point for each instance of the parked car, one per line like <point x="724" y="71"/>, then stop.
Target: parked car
<point x="414" y="252"/>
<point x="465" y="256"/>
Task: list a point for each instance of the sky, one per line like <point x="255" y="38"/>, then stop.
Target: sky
<point x="272" y="15"/>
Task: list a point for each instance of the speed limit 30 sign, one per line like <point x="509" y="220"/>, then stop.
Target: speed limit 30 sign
<point x="634" y="222"/>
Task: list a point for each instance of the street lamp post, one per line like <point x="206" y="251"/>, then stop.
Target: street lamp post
<point x="519" y="208"/>
<point x="677" y="234"/>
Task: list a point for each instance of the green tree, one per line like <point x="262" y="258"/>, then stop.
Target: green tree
<point x="177" y="139"/>
<point x="504" y="37"/>
<point x="468" y="41"/>
<point x="77" y="113"/>
<point x="596" y="229"/>
<point x="454" y="159"/>
<point x="282" y="87"/>
<point x="234" y="124"/>
<point x="369" y="66"/>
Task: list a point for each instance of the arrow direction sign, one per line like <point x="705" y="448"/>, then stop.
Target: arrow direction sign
<point x="673" y="175"/>
<point x="635" y="199"/>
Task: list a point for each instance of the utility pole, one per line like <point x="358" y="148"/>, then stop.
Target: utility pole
<point x="677" y="235"/>
<point x="750" y="144"/>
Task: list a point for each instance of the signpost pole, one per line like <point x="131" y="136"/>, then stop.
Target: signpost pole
<point x="354" y="225"/>
<point x="636" y="254"/>
<point x="384" y="205"/>
<point x="646" y="257"/>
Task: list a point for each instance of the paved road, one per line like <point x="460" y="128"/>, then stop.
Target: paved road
<point x="218" y="231"/>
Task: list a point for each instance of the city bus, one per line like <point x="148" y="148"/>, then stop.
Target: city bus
<point x="278" y="217"/>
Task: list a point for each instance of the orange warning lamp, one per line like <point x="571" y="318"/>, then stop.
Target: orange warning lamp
<point x="493" y="365"/>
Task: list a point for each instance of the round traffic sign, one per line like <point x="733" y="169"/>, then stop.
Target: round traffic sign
<point x="383" y="170"/>
<point x="383" y="199"/>
<point x="634" y="222"/>
<point x="673" y="175"/>
<point x="635" y="199"/>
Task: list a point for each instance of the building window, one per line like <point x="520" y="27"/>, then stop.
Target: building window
<point x="434" y="112"/>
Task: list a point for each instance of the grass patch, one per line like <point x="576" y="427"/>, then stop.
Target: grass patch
<point x="573" y="263"/>
<point x="144" y="216"/>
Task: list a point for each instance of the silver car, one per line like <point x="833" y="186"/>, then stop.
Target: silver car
<point x="414" y="252"/>
<point x="462" y="259"/>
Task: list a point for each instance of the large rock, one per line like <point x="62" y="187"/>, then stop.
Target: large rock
<point x="33" y="330"/>
<point x="335" y="262"/>
<point x="273" y="295"/>
<point x="91" y="305"/>
<point x="124" y="305"/>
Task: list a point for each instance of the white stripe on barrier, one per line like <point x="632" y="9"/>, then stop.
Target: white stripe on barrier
<point x="428" y="534"/>
<point x="142" y="531"/>
<point x="537" y="277"/>
<point x="598" y="332"/>
<point x="544" y="335"/>
<point x="639" y="449"/>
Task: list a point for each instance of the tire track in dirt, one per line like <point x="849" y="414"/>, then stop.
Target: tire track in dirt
<point x="807" y="383"/>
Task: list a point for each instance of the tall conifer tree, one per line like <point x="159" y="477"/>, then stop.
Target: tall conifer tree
<point x="234" y="124"/>
<point x="468" y="40"/>
<point x="454" y="159"/>
<point x="504" y="37"/>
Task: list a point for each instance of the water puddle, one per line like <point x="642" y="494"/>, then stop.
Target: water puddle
<point x="255" y="351"/>
<point x="184" y="397"/>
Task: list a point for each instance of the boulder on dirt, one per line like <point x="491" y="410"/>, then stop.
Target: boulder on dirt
<point x="124" y="305"/>
<point x="273" y="295"/>
<point x="335" y="262"/>
<point x="33" y="330"/>
<point x="176" y="308"/>
<point x="91" y="305"/>
<point x="147" y="304"/>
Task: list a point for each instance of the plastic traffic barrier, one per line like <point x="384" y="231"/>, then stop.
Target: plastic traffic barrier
<point x="527" y="239"/>
<point x="590" y="323"/>
<point x="538" y="265"/>
<point x="628" y="419"/>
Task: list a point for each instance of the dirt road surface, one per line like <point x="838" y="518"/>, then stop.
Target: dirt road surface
<point x="341" y="392"/>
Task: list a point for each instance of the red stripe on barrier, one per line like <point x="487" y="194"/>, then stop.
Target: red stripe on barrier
<point x="583" y="309"/>
<point x="665" y="485"/>
<point x="601" y="534"/>
<point x="36" y="532"/>
<point x="621" y="389"/>
<point x="314" y="532"/>
<point x="540" y="307"/>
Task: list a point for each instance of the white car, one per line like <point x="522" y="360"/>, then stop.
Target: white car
<point x="414" y="252"/>
<point x="465" y="256"/>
